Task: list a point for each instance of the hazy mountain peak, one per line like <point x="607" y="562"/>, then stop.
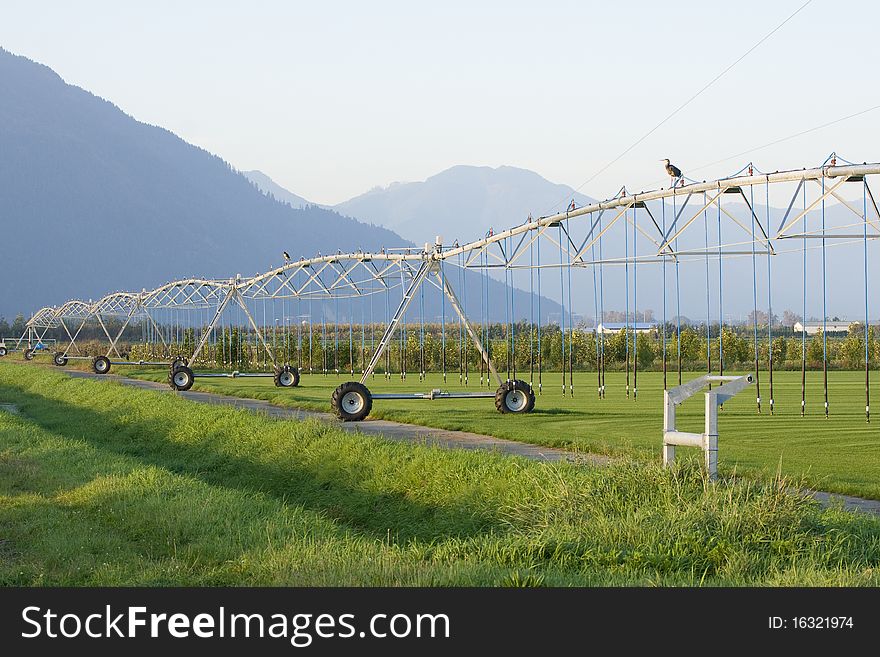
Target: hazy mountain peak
<point x="462" y="202"/>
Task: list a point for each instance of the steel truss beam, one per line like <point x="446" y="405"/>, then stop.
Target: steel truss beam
<point x="361" y="274"/>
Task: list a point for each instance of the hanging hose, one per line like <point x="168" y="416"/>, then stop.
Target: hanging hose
<point x="443" y="321"/>
<point x="720" y="297"/>
<point x="508" y="298"/>
<point x="422" y="372"/>
<point x="512" y="348"/>
<point x="531" y="310"/>
<point x="540" y="351"/>
<point x="483" y="316"/>
<point x="465" y="335"/>
<point x="626" y="288"/>
<point x="350" y="336"/>
<point x="562" y="310"/>
<point x="804" y="311"/>
<point x="324" y="361"/>
<point x="570" y="321"/>
<point x="663" y="221"/>
<point x="602" y="307"/>
<point x="677" y="294"/>
<point x="336" y="336"/>
<point x="461" y="287"/>
<point x="364" y="327"/>
<point x="867" y="326"/>
<point x="755" y="299"/>
<point x="596" y="325"/>
<point x="824" y="307"/>
<point x="769" y="299"/>
<point x="635" y="309"/>
<point x="708" y="296"/>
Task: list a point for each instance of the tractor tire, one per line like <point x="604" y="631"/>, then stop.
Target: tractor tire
<point x="183" y="378"/>
<point x="515" y="397"/>
<point x="352" y="401"/>
<point x="175" y="364"/>
<point x="286" y="377"/>
<point x="100" y="365"/>
<point x="59" y="359"/>
<point x="28" y="354"/>
<point x="3" y="351"/>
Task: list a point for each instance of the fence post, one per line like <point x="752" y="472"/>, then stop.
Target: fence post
<point x="668" y="425"/>
<point x="710" y="436"/>
<point x="708" y="440"/>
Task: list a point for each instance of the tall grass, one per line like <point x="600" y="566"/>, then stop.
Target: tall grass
<point x="840" y="454"/>
<point x="103" y="484"/>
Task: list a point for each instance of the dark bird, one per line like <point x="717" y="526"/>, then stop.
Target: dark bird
<point x="286" y="256"/>
<point x="673" y="171"/>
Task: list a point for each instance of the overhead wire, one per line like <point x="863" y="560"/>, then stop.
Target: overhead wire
<point x="687" y="102"/>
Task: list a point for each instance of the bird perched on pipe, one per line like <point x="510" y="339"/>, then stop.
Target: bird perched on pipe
<point x="286" y="256"/>
<point x="673" y="171"/>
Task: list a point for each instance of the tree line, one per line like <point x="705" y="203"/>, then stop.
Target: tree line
<point x="521" y="347"/>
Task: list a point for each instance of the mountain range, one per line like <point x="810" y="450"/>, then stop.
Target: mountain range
<point x="463" y="202"/>
<point x="93" y="201"/>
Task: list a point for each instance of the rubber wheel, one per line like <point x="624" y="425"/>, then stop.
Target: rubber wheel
<point x="3" y="351"/>
<point x="183" y="378"/>
<point x="101" y="364"/>
<point x="59" y="359"/>
<point x="177" y="363"/>
<point x="28" y="354"/>
<point x="352" y="402"/>
<point x="515" y="397"/>
<point x="286" y="377"/>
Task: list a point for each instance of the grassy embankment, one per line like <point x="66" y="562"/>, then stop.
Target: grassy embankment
<point x="840" y="454"/>
<point x="103" y="484"/>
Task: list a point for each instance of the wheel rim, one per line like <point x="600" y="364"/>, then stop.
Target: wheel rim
<point x="181" y="379"/>
<point x="516" y="400"/>
<point x="353" y="402"/>
<point x="286" y="379"/>
<point x="101" y="366"/>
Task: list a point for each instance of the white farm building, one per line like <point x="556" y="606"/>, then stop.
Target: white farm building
<point x="634" y="327"/>
<point x="814" y="328"/>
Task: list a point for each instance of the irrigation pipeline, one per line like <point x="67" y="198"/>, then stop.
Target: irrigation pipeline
<point x="406" y="272"/>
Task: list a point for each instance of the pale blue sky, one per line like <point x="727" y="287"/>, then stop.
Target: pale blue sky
<point x="333" y="98"/>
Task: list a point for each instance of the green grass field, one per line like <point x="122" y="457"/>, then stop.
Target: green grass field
<point x="102" y="484"/>
<point x="840" y="454"/>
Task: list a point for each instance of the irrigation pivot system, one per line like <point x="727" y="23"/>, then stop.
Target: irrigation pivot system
<point x="275" y="324"/>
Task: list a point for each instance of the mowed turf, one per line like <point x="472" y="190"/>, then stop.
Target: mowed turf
<point x="840" y="454"/>
<point x="103" y="484"/>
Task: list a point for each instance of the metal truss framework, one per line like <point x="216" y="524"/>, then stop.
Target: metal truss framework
<point x="573" y="233"/>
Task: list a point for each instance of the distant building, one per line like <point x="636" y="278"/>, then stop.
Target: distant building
<point x="814" y="328"/>
<point x="635" y="327"/>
